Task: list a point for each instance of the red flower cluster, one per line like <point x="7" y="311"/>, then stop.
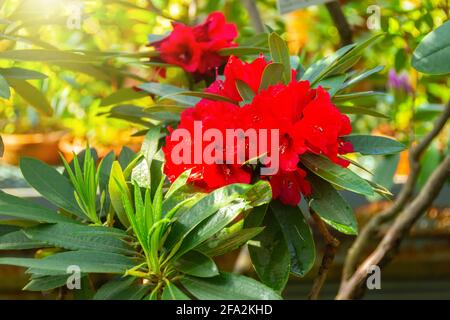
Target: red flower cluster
<point x="195" y="48"/>
<point x="307" y="121"/>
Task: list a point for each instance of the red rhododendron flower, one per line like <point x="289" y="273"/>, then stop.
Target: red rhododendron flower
<point x="181" y="48"/>
<point x="249" y="73"/>
<point x="195" y="49"/>
<point x="304" y="118"/>
<point x="288" y="186"/>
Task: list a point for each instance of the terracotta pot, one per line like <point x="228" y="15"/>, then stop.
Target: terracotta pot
<point x="42" y="146"/>
<point x="69" y="144"/>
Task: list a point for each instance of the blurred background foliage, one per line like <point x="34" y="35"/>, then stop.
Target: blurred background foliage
<point x="77" y="91"/>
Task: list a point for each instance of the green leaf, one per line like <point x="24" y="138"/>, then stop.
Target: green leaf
<point x="5" y="229"/>
<point x="121" y="289"/>
<point x="122" y="95"/>
<point x="196" y="264"/>
<point x="256" y="216"/>
<point x="429" y="162"/>
<point x="131" y="113"/>
<point x="228" y="286"/>
<point x="203" y="209"/>
<point x="228" y="242"/>
<point x="352" y="56"/>
<point x="21" y="74"/>
<point x="336" y="174"/>
<point x="213" y="224"/>
<point x="362" y="111"/>
<point x="356" y="164"/>
<point x="44" y="56"/>
<point x="332" y="208"/>
<point x="259" y="194"/>
<point x="362" y="76"/>
<point x="171" y="292"/>
<point x="183" y="199"/>
<point x="17" y="240"/>
<point x="105" y="170"/>
<point x="47" y="283"/>
<point x="242" y="51"/>
<point x="374" y="145"/>
<point x="245" y="91"/>
<point x="80" y="237"/>
<point x="202" y="95"/>
<point x="98" y="73"/>
<point x="273" y="74"/>
<point x="2" y="147"/>
<point x="280" y="53"/>
<point x="162" y="90"/>
<point x="150" y="145"/>
<point x="357" y="96"/>
<point x="88" y="261"/>
<point x="298" y="236"/>
<point x="5" y="92"/>
<point x="178" y="183"/>
<point x="339" y="62"/>
<point x="126" y="156"/>
<point x="432" y="54"/>
<point x="31" y="95"/>
<point x="20" y="208"/>
<point x="333" y="83"/>
<point x="51" y="185"/>
<point x="428" y="112"/>
<point x="319" y="69"/>
<point x="270" y="255"/>
<point x="384" y="171"/>
<point x="116" y="184"/>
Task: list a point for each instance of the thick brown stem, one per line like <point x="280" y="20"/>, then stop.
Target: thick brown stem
<point x="331" y="247"/>
<point x="390" y="243"/>
<point x="335" y="10"/>
<point x="371" y="229"/>
<point x="255" y="16"/>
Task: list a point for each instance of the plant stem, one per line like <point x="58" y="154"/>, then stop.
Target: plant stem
<point x="335" y="10"/>
<point x="332" y="244"/>
<point x="388" y="247"/>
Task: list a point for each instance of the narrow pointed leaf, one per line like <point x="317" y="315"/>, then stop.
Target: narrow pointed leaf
<point x="196" y="264"/>
<point x="171" y="292"/>
<point x="19" y="208"/>
<point x="273" y="74"/>
<point x="31" y="95"/>
<point x="22" y="74"/>
<point x="116" y="184"/>
<point x="374" y="145"/>
<point x="78" y="237"/>
<point x="51" y="185"/>
<point x="88" y="261"/>
<point x="5" y="92"/>
<point x="432" y="54"/>
<point x="336" y="174"/>
<point x="245" y="91"/>
<point x="280" y="53"/>
<point x="229" y="241"/>
<point x="326" y="201"/>
<point x="298" y="236"/>
<point x="270" y="255"/>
